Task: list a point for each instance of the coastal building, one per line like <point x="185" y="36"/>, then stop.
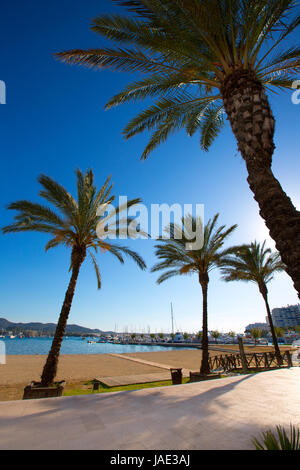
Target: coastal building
<point x="286" y="316"/>
<point x="258" y="326"/>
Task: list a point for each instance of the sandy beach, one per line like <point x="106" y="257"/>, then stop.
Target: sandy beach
<point x="74" y="367"/>
<point x="20" y="370"/>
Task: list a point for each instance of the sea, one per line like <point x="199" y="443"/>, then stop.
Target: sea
<point x="75" y="345"/>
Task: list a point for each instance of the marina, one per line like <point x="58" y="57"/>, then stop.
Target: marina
<point x="78" y="345"/>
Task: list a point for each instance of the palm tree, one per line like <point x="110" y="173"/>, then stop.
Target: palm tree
<point x="199" y="335"/>
<point x="256" y="334"/>
<point x="255" y="263"/>
<point x="178" y="260"/>
<point x="279" y="332"/>
<point x="297" y="329"/>
<point x="232" y="334"/>
<point x="216" y="335"/>
<point x="75" y="226"/>
<point x="201" y="59"/>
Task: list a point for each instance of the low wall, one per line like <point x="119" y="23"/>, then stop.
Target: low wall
<point x="167" y="345"/>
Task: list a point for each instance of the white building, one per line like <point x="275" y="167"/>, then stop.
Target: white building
<point x="286" y="316"/>
<point x="258" y="326"/>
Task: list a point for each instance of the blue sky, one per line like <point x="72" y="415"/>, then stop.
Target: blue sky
<point x="54" y="121"/>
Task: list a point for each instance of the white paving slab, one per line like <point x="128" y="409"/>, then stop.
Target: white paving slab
<point x="217" y="414"/>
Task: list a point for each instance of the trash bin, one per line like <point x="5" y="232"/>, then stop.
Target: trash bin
<point x="96" y="385"/>
<point x="176" y="375"/>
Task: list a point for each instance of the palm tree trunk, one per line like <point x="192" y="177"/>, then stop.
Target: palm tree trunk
<point x="50" y="368"/>
<point x="252" y="122"/>
<point x="204" y="369"/>
<point x="274" y="337"/>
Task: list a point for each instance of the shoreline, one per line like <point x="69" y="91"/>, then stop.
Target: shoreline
<point x="20" y="370"/>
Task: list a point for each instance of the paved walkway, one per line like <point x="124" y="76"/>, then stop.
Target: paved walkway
<point x="116" y="381"/>
<point x="140" y="360"/>
<point x="134" y="379"/>
<point x="217" y="414"/>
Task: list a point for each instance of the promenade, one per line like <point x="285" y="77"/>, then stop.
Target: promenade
<point x="217" y="414"/>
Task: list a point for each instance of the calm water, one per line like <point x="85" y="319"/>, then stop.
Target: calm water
<point x="74" y="346"/>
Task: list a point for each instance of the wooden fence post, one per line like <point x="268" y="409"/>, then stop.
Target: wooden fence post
<point x="266" y="359"/>
<point x="289" y="358"/>
<point x="242" y="354"/>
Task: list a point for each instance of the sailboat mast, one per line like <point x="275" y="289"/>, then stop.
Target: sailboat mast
<point x="172" y="318"/>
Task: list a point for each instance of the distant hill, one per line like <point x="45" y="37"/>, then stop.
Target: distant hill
<point x="48" y="327"/>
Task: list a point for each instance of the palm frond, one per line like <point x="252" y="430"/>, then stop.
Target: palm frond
<point x="56" y="194"/>
<point x="27" y="226"/>
<point x="76" y="228"/>
<point x="133" y="255"/>
<point x="167" y="110"/>
<point x="211" y="125"/>
<point x="279" y="440"/>
<point x="162" y="85"/>
<point x="254" y="263"/>
<point x="127" y="60"/>
<point x="168" y="275"/>
<point x="190" y="47"/>
<point x="37" y="212"/>
<point x="97" y="270"/>
<point x="177" y="259"/>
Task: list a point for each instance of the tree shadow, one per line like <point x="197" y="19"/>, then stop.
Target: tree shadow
<point x="172" y="412"/>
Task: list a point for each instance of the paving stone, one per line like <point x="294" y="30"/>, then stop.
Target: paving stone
<point x="217" y="414"/>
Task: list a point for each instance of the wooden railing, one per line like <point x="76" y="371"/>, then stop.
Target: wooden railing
<point x="266" y="360"/>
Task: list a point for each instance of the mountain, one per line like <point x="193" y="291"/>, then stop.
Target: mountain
<point x="48" y="327"/>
